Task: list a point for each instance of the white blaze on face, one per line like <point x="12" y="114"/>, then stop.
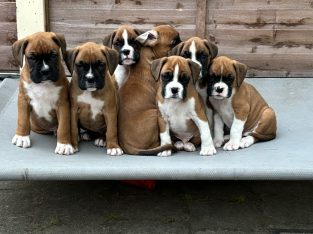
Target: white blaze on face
<point x="45" y="66"/>
<point x="220" y="89"/>
<point x="89" y="75"/>
<point x="127" y="47"/>
<point x="193" y="52"/>
<point x="174" y="88"/>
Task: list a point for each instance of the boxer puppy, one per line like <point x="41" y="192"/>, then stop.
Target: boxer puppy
<point x="93" y="94"/>
<point x="43" y="103"/>
<point x="138" y="115"/>
<point x="202" y="52"/>
<point x="238" y="105"/>
<point x="181" y="108"/>
<point x="123" y="40"/>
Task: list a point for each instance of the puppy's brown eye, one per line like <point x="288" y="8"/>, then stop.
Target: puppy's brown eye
<point x="31" y="57"/>
<point x="118" y="43"/>
<point x="79" y="64"/>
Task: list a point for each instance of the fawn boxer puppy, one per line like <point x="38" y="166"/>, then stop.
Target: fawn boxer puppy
<point x="93" y="94"/>
<point x="138" y="115"/>
<point x="238" y="105"/>
<point x="202" y="52"/>
<point x="181" y="108"/>
<point x="123" y="40"/>
<point x="43" y="102"/>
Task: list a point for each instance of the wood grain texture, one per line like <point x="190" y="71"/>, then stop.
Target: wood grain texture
<point x="274" y="38"/>
<point x="8" y="35"/>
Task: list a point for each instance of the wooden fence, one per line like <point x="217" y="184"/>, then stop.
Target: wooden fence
<point x="7" y="34"/>
<point x="273" y="37"/>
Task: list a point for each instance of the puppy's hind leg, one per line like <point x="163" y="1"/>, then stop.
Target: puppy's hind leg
<point x="266" y="127"/>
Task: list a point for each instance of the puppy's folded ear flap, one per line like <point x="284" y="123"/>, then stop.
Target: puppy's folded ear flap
<point x="108" y="40"/>
<point x="177" y="50"/>
<point x="149" y="38"/>
<point x="212" y="48"/>
<point x="59" y="39"/>
<point x="112" y="58"/>
<point x="156" y="67"/>
<point x="195" y="70"/>
<point x="69" y="58"/>
<point x="241" y="71"/>
<point x="18" y="50"/>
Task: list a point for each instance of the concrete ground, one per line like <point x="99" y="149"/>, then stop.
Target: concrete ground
<point x="172" y="207"/>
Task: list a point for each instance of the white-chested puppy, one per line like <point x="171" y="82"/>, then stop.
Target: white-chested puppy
<point x="202" y="52"/>
<point x="181" y="109"/>
<point x="93" y="94"/>
<point x="238" y="105"/>
<point x="43" y="103"/>
<point x="123" y="40"/>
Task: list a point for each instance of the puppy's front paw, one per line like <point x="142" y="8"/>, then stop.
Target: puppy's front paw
<point x="115" y="151"/>
<point x="100" y="142"/>
<point x="179" y="145"/>
<point x="247" y="141"/>
<point x="189" y="147"/>
<point x="165" y="153"/>
<point x="208" y="151"/>
<point x="21" y="141"/>
<point x="218" y="142"/>
<point x="231" y="145"/>
<point x="64" y="149"/>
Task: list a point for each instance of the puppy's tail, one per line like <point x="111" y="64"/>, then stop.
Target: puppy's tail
<point x="153" y="151"/>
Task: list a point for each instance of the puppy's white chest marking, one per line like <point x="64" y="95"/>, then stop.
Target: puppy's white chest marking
<point x="96" y="105"/>
<point x="43" y="97"/>
<point x="225" y="109"/>
<point x="177" y="114"/>
<point x="121" y="74"/>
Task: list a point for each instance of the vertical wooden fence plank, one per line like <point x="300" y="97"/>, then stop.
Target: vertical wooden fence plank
<point x="30" y="17"/>
<point x="201" y="18"/>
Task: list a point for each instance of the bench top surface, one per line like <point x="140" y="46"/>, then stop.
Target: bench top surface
<point x="289" y="156"/>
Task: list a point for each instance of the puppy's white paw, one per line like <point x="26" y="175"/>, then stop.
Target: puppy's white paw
<point x="21" y="141"/>
<point x="115" y="151"/>
<point x="189" y="147"/>
<point x="218" y="142"/>
<point x="165" y="153"/>
<point x="64" y="149"/>
<point x="100" y="142"/>
<point x="179" y="145"/>
<point x="208" y="151"/>
<point x="231" y="145"/>
<point x="84" y="136"/>
<point x="247" y="141"/>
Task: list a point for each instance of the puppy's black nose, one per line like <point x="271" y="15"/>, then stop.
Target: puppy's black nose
<point x="174" y="90"/>
<point x="90" y="80"/>
<point x="219" y="89"/>
<point x="126" y="52"/>
<point x="44" y="72"/>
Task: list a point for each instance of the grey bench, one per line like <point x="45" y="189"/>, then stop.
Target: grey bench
<point x="288" y="157"/>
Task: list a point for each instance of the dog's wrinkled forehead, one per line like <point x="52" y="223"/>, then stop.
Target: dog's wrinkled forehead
<point x="90" y="53"/>
<point x="120" y="33"/>
<point x="222" y="66"/>
<point x="41" y="44"/>
<point x="174" y="61"/>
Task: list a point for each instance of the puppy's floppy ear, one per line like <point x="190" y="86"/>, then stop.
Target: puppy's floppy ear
<point x="177" y="49"/>
<point x="195" y="70"/>
<point x="149" y="38"/>
<point x="156" y="67"/>
<point x="59" y="39"/>
<point x="241" y="71"/>
<point x="108" y="40"/>
<point x="212" y="48"/>
<point x="70" y="57"/>
<point x="18" y="50"/>
<point x="112" y="58"/>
